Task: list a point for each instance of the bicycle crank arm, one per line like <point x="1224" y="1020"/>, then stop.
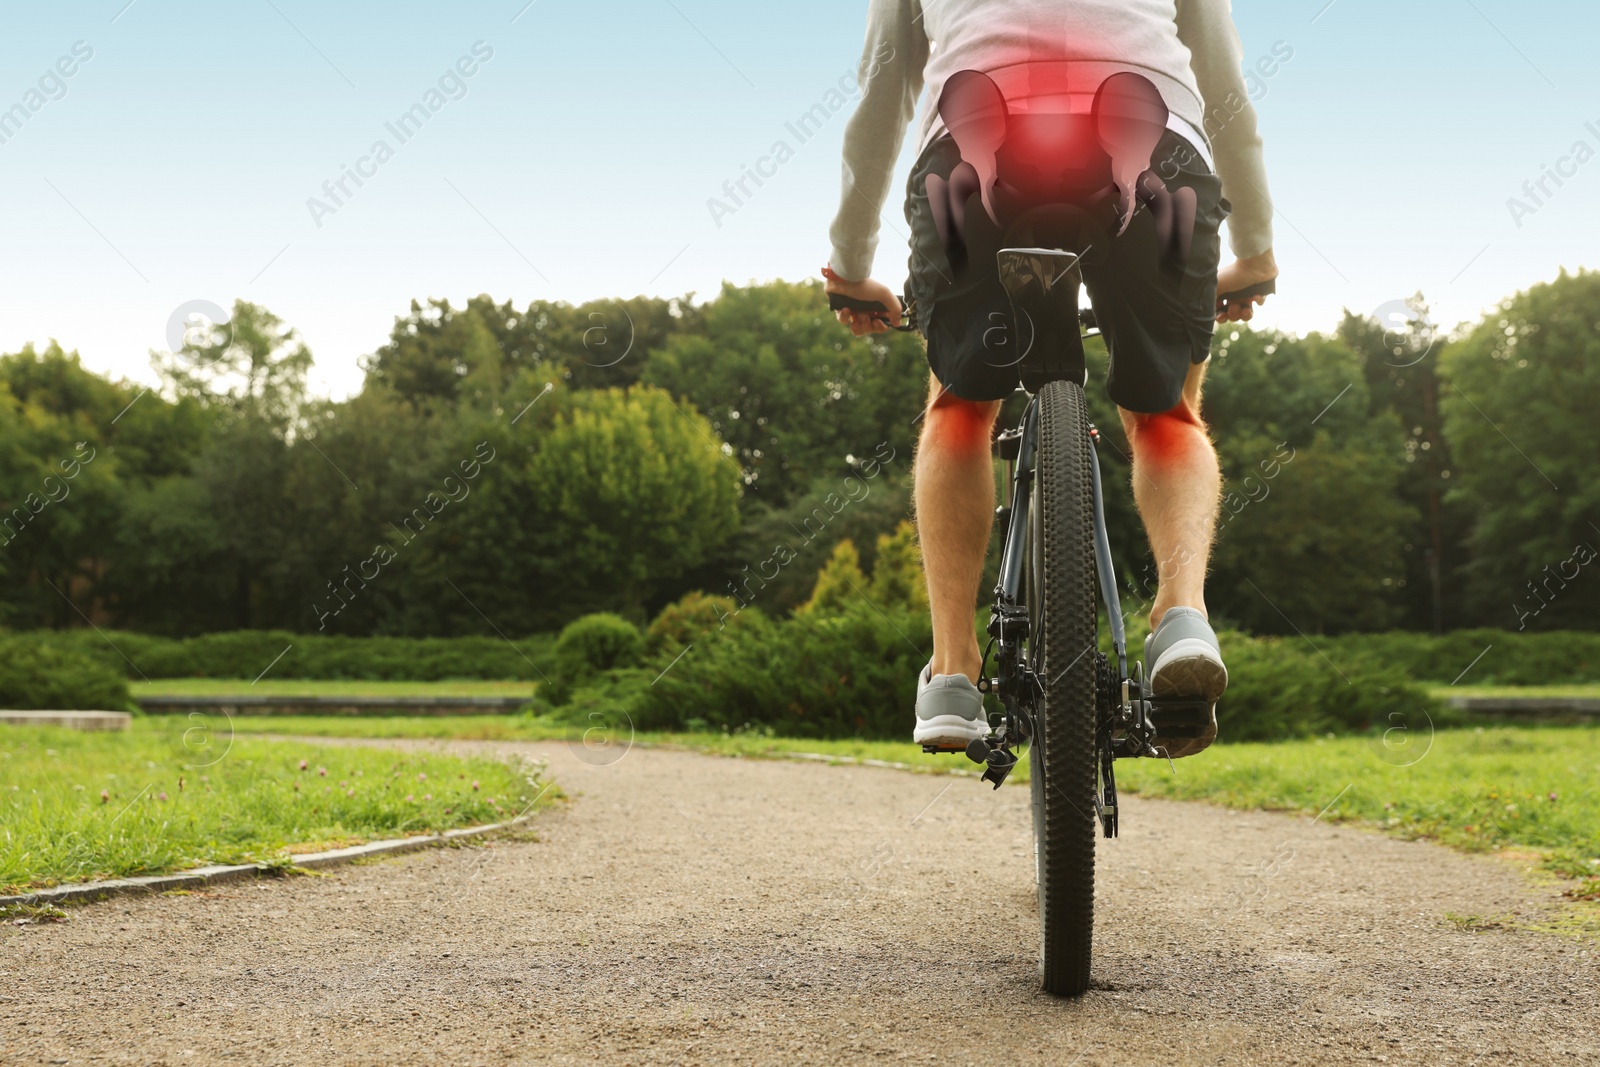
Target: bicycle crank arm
<point x="998" y="760"/>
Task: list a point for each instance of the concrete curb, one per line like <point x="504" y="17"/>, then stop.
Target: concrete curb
<point x="200" y="877"/>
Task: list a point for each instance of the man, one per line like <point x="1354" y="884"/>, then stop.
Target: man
<point x="1051" y="57"/>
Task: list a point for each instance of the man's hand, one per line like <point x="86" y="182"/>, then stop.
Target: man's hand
<point x="862" y="323"/>
<point x="1242" y="274"/>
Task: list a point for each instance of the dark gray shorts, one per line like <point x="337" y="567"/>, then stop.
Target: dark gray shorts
<point x="1156" y="315"/>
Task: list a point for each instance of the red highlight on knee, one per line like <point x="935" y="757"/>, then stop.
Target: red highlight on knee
<point x="1167" y="437"/>
<point x="960" y="425"/>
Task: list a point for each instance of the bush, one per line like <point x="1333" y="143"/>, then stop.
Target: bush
<point x="1278" y="691"/>
<point x="607" y="702"/>
<point x="35" y="676"/>
<point x="589" y="647"/>
<point x="838" y="583"/>
<point x="850" y="674"/>
<point x="897" y="574"/>
<point x="686" y="621"/>
<point x="247" y="653"/>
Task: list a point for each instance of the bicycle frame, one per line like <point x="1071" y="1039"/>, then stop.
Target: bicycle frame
<point x="1042" y="283"/>
<point x="1123" y="710"/>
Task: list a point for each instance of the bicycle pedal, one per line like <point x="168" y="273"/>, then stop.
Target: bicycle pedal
<point x="998" y="762"/>
<point x="936" y="748"/>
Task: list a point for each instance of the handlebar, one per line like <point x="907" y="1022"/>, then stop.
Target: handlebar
<point x="875" y="308"/>
<point x="1245" y="295"/>
<point x="840" y="302"/>
<point x="1086" y="319"/>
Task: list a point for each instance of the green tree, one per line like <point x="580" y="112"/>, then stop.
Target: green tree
<point x="789" y="388"/>
<point x="1312" y="526"/>
<point x="253" y="364"/>
<point x="897" y="576"/>
<point x="438" y="352"/>
<point x="776" y="555"/>
<point x="839" y="583"/>
<point x="1519" y="401"/>
<point x="594" y="500"/>
<point x="76" y="448"/>
<point x="594" y="345"/>
<point x="249" y="376"/>
<point x="1401" y="355"/>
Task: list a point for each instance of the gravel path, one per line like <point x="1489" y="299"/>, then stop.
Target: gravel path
<point x="686" y="909"/>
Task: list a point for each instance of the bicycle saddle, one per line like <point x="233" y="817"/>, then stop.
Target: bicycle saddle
<point x="1039" y="264"/>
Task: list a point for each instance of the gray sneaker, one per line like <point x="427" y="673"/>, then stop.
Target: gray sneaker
<point x="949" y="710"/>
<point x="1182" y="660"/>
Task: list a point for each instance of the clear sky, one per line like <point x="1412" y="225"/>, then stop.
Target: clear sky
<point x="576" y="161"/>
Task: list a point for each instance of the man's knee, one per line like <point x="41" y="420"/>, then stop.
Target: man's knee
<point x="1164" y="423"/>
<point x="1165" y="434"/>
<point x="958" y="424"/>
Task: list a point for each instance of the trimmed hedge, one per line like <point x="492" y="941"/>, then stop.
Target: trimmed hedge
<point x="1555" y="657"/>
<point x="854" y="675"/>
<point x="37" y="676"/>
<point x="247" y="653"/>
<point x="842" y="675"/>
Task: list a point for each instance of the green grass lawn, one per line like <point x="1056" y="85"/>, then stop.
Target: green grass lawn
<point x="526" y="728"/>
<point x="1475" y="788"/>
<point x="268" y="687"/>
<point x="169" y="795"/>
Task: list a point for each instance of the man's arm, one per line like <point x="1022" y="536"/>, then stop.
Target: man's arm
<point x="1206" y="27"/>
<point x="890" y="77"/>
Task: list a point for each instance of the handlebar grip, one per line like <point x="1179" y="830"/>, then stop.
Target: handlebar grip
<point x="1266" y="288"/>
<point x="840" y="302"/>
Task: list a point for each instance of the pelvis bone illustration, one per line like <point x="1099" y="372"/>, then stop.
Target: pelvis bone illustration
<point x="1101" y="160"/>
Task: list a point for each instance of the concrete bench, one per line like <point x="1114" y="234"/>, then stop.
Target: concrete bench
<point x="72" y="720"/>
<point x="333" y="705"/>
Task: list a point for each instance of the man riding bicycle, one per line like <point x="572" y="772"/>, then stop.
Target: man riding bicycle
<point x="1019" y="89"/>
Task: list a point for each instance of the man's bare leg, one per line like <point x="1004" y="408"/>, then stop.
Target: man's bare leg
<point x="954" y="494"/>
<point x="1176" y="485"/>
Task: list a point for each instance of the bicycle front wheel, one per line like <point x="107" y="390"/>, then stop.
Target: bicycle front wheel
<point x="1061" y="592"/>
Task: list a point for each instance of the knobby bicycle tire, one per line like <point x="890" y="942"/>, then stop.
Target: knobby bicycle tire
<point x="1061" y="591"/>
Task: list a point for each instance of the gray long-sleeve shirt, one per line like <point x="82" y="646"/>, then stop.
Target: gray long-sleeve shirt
<point x="1046" y="55"/>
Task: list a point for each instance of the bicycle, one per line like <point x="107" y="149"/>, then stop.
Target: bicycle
<point x="1077" y="709"/>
